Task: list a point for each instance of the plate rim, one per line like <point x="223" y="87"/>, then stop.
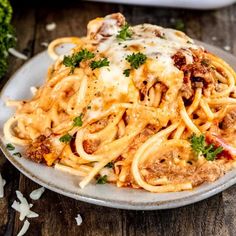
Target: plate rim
<point x="154" y="205"/>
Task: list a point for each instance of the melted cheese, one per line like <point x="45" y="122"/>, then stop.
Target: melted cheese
<point x="114" y="78"/>
<point x="157" y="43"/>
<point x="159" y="50"/>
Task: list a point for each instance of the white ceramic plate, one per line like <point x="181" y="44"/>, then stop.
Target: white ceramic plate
<point x="32" y="74"/>
<point x="193" y="4"/>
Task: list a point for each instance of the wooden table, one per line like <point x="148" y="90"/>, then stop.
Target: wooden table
<point x="214" y="216"/>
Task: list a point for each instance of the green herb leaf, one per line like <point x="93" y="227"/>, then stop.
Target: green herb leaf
<point x="205" y="62"/>
<point x="102" y="179"/>
<point x="65" y="138"/>
<point x="126" y="72"/>
<point x="109" y="165"/>
<point x="78" y="121"/>
<point x="199" y="146"/>
<point x="18" y="154"/>
<point x="198" y="143"/>
<point x="136" y="59"/>
<point x="125" y="33"/>
<point x="212" y="152"/>
<point x="10" y="147"/>
<point x="179" y="25"/>
<point x="75" y="59"/>
<point x="7" y="35"/>
<point x="99" y="63"/>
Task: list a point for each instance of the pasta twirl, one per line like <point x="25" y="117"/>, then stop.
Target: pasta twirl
<point x="141" y="107"/>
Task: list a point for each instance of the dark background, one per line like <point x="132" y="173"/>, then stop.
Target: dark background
<point x="214" y="216"/>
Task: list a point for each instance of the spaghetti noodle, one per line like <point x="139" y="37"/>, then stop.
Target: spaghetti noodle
<point x="142" y="107"/>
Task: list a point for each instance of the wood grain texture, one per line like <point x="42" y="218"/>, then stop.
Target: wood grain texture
<point x="214" y="216"/>
<point x="24" y="22"/>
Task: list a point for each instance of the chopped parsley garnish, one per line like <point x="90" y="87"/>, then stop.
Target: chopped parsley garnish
<point x="10" y="147"/>
<point x="65" y="138"/>
<point x="102" y="179"/>
<point x="199" y="146"/>
<point x="179" y="25"/>
<point x="99" y="63"/>
<point x="75" y="59"/>
<point x="125" y="33"/>
<point x="18" y="154"/>
<point x="126" y="72"/>
<point x="109" y="165"/>
<point x="205" y="62"/>
<point x="136" y="59"/>
<point x="78" y="121"/>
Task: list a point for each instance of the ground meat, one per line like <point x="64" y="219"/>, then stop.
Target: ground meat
<point x="90" y="146"/>
<point x="159" y="34"/>
<point x="143" y="136"/>
<point x="229" y="120"/>
<point x="208" y="172"/>
<point x="106" y="28"/>
<point x="196" y="75"/>
<point x="38" y="148"/>
<point x="197" y="82"/>
<point x="197" y="70"/>
<point x="179" y="60"/>
<point x="186" y="90"/>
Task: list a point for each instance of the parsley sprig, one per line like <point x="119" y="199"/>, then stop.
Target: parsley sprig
<point x="179" y="25"/>
<point x="10" y="147"/>
<point x="75" y="59"/>
<point x="65" y="138"/>
<point x="78" y="121"/>
<point x="136" y="59"/>
<point x="18" y="154"/>
<point x="125" y="33"/>
<point x="102" y="179"/>
<point x="199" y="146"/>
<point x="126" y="72"/>
<point x="109" y="165"/>
<point x="100" y="63"/>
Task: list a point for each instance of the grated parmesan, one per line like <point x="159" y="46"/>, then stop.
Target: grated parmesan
<point x="23" y="207"/>
<point x="33" y="90"/>
<point x="24" y="228"/>
<point x="17" y="54"/>
<point x="51" y="26"/>
<point x="37" y="193"/>
<point x="44" y="44"/>
<point x="2" y="183"/>
<point x="227" y="48"/>
<point x="78" y="219"/>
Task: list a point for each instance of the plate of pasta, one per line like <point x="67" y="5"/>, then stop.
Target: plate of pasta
<point x="133" y="117"/>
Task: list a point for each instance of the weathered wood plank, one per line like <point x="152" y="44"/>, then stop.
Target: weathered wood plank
<point x="229" y="195"/>
<point x="23" y="21"/>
